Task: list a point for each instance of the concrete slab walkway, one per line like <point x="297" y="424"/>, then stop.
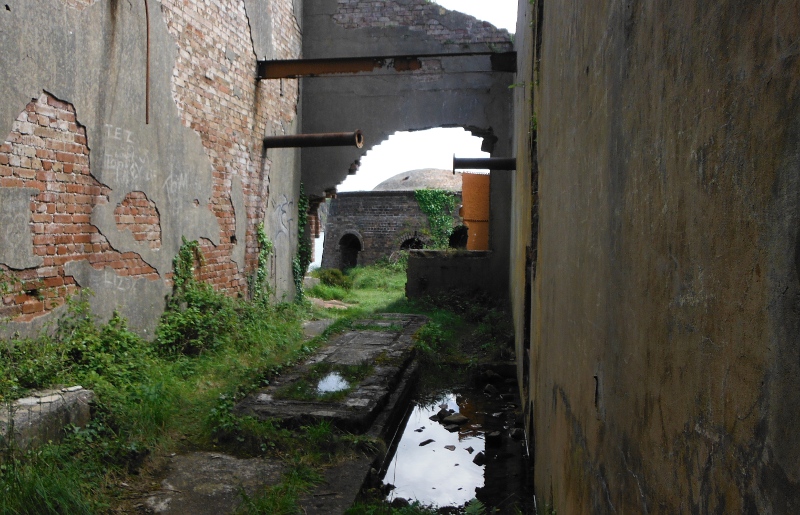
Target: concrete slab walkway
<point x="383" y="342"/>
<point x="204" y="483"/>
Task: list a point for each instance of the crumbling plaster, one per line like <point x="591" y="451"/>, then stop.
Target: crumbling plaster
<point x="92" y="55"/>
<point x="95" y="59"/>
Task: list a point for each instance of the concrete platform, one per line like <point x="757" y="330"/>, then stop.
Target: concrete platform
<point x="384" y="341"/>
<point x="42" y="417"/>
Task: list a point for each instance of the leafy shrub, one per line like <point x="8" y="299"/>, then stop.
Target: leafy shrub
<point x="397" y="261"/>
<point x="197" y="318"/>
<point x="430" y="337"/>
<point x="335" y="277"/>
<point x="96" y="355"/>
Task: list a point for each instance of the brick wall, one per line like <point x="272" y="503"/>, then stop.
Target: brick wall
<point x="382" y="219"/>
<point x="138" y="214"/>
<point x="216" y="93"/>
<point x="46" y="150"/>
<point x="449" y="27"/>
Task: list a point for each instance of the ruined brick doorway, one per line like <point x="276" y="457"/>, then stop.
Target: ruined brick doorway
<point x="349" y="247"/>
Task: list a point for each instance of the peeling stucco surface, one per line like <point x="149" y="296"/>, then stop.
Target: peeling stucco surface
<point x="106" y="42"/>
<point x="15" y="215"/>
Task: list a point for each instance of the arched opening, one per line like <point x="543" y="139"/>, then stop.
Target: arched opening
<point x="412" y="244"/>
<point x="412" y="150"/>
<point x="349" y="247"/>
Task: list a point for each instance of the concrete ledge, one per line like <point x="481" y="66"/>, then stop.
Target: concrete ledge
<point x="431" y="272"/>
<point x="43" y="416"/>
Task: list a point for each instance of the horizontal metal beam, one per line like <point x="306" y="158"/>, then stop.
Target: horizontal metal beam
<point x="294" y="68"/>
<point x="484" y="163"/>
<point x="326" y="139"/>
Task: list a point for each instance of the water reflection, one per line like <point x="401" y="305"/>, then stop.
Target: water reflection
<point x="433" y="473"/>
<point x="333" y="382"/>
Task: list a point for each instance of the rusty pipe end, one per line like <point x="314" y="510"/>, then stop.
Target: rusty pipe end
<point x="359" y="137"/>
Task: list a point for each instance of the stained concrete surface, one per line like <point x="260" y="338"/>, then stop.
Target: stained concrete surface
<point x="313" y="328"/>
<point x="389" y="349"/>
<point x="664" y="368"/>
<point x="340" y="486"/>
<point x="210" y="483"/>
<point x="42" y="416"/>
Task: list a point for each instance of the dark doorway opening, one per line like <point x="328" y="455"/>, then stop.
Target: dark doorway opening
<point x="412" y="244"/>
<point x="349" y="247"/>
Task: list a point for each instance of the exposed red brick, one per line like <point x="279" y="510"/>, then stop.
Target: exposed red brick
<point x="60" y="220"/>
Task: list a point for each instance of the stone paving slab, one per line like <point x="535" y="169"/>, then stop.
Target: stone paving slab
<point x="340" y="487"/>
<point x="208" y="483"/>
<point x="384" y="340"/>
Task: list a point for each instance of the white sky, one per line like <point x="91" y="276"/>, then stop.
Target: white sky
<point x="405" y="151"/>
<point x="434" y="148"/>
<point x="500" y="13"/>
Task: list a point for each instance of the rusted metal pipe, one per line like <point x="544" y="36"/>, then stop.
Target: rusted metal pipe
<point x="329" y="139"/>
<point x="147" y="67"/>
<point x="484" y="163"/>
<point x="294" y="68"/>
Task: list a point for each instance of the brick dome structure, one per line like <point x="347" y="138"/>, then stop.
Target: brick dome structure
<point x="364" y="226"/>
<point x="425" y="178"/>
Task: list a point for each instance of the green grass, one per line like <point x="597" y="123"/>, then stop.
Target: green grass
<point x="327" y="292"/>
<point x="151" y="397"/>
<point x="380" y="508"/>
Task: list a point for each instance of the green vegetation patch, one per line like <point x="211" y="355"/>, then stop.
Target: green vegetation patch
<point x="439" y="206"/>
<point x="334" y="277"/>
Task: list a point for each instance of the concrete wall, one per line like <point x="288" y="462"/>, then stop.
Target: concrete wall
<point x="92" y="196"/>
<point x="382" y="220"/>
<point x="664" y="371"/>
<point x="443" y="272"/>
<point x="453" y="92"/>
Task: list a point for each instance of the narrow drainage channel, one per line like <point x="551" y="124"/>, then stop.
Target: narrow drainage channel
<point x="442" y="463"/>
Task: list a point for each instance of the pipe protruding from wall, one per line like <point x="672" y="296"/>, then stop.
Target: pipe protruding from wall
<point x="328" y="139"/>
<point x="484" y="163"/>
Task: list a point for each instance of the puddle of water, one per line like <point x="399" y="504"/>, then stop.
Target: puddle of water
<point x="440" y="473"/>
<point x="333" y="382"/>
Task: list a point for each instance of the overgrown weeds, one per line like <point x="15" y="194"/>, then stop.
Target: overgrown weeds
<point x="210" y="350"/>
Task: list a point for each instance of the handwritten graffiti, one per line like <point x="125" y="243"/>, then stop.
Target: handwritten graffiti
<point x="175" y="186"/>
<point x="113" y="281"/>
<point x="127" y="165"/>
<point x="283" y="218"/>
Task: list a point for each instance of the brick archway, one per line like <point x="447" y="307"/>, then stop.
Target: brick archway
<point x="350" y="244"/>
